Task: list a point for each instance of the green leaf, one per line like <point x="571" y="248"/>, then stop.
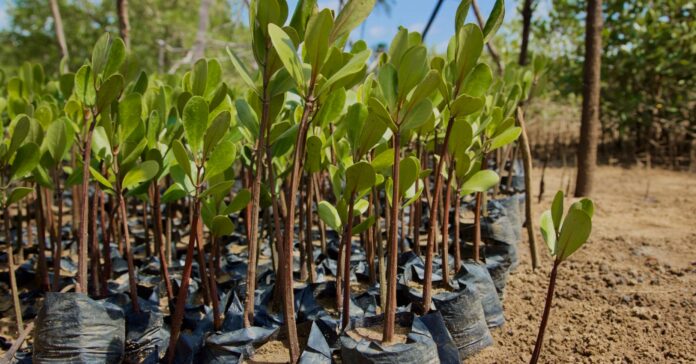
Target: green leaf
<point x="287" y="53"/>
<point x="313" y="154"/>
<point x="548" y="232"/>
<point x="462" y="137"/>
<point x="420" y="115"/>
<point x="574" y="233"/>
<point x="26" y="159"/>
<point x="409" y="170"/>
<point x="303" y="11"/>
<point x="100" y="178"/>
<point x="557" y="210"/>
<point x="462" y="12"/>
<point x="182" y="157"/>
<point x="55" y="140"/>
<point x="216" y="131"/>
<point x="469" y="47"/>
<point x="480" y="182"/>
<point x="199" y="77"/>
<point x="240" y="201"/>
<point x="505" y="138"/>
<point x="17" y="194"/>
<point x="19" y="133"/>
<point x="140" y="173"/>
<point x="377" y="108"/>
<point x="425" y="88"/>
<point x="364" y="225"/>
<point x="221" y="226"/>
<point x="84" y="86"/>
<point x="584" y="204"/>
<point x="329" y="215"/>
<point x="352" y="14"/>
<point x="494" y="20"/>
<point x="100" y="53"/>
<point x="466" y="105"/>
<point x="173" y="193"/>
<point x="129" y="115"/>
<point x="218" y="189"/>
<point x="247" y="117"/>
<point x="383" y="160"/>
<point x="316" y="40"/>
<point x="478" y="81"/>
<point x="241" y="70"/>
<point x="359" y="177"/>
<point x="411" y="70"/>
<point x="117" y="55"/>
<point x="387" y="79"/>
<point x="195" y="120"/>
<point x="353" y="66"/>
<point x="223" y="157"/>
<point x="109" y="91"/>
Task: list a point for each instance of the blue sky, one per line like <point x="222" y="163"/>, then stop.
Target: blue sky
<point x="381" y="26"/>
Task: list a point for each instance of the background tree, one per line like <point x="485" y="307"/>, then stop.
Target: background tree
<point x="589" y="129"/>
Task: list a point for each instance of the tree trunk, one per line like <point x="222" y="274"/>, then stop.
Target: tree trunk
<point x="526" y="27"/>
<point x="123" y="22"/>
<point x="589" y="128"/>
<point x="58" y="24"/>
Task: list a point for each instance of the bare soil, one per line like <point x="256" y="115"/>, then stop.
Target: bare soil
<point x="629" y="295"/>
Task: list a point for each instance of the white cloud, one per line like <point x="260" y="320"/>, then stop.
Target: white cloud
<point x="376" y="31"/>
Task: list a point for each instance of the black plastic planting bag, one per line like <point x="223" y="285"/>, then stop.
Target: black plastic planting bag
<point x="511" y="206"/>
<point x="234" y="346"/>
<point x="446" y="349"/>
<point x="464" y="318"/>
<point x="476" y="275"/>
<point x="420" y="348"/>
<point x="73" y="328"/>
<point x="318" y="350"/>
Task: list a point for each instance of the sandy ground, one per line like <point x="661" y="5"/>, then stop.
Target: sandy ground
<point x="629" y="295"/>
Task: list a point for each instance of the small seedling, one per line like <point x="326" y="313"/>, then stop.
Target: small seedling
<point x="564" y="236"/>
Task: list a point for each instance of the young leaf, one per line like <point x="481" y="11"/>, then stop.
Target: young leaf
<point x="222" y="158"/>
<point x="375" y="107"/>
<point x="109" y="91"/>
<point x="216" y="131"/>
<point x="478" y="81"/>
<point x="353" y="66"/>
<point x="469" y="47"/>
<point x="241" y="70"/>
<point x="409" y="172"/>
<point x="316" y="42"/>
<point x="173" y="193"/>
<point x="383" y="160"/>
<point x="101" y="179"/>
<point x="420" y="114"/>
<point x="586" y="205"/>
<point x="217" y="189"/>
<point x="494" y="20"/>
<point x="129" y="115"/>
<point x="548" y="232"/>
<point x="359" y="177"/>
<point x="55" y="140"/>
<point x="195" y="120"/>
<point x="19" y="133"/>
<point x="313" y="155"/>
<point x="287" y="53"/>
<point x="140" y="173"/>
<point x="352" y="14"/>
<point x="411" y="70"/>
<point x="199" y="77"/>
<point x="574" y="233"/>
<point x="480" y="182"/>
<point x="505" y="138"/>
<point x="364" y="225"/>
<point x="329" y="215"/>
<point x="557" y="210"/>
<point x="221" y="226"/>
<point x="84" y="86"/>
<point x="465" y="105"/>
<point x="462" y="12"/>
<point x="17" y="194"/>
<point x="26" y="158"/>
<point x="240" y="201"/>
<point x="182" y="157"/>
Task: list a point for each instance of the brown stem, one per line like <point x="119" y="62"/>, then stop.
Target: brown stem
<point x="41" y="238"/>
<point x="217" y="321"/>
<point x="457" y="248"/>
<point x="432" y="229"/>
<point x="106" y="244"/>
<point x="388" y="333"/>
<point x="84" y="206"/>
<point x="288" y="294"/>
<point x="545" y="316"/>
<point x="477" y="226"/>
<point x="178" y="316"/>
<point x="445" y="227"/>
<point x="157" y="224"/>
<point x="58" y="236"/>
<point x="94" y="245"/>
<point x="129" y="253"/>
<point x="202" y="267"/>
<point x="346" y="263"/>
<point x="11" y="267"/>
<point x="309" y="248"/>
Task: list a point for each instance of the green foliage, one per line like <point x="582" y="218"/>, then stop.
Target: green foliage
<point x="565" y="235"/>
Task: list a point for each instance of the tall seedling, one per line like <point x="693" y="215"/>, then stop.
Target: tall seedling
<point x="206" y="120"/>
<point x="18" y="157"/>
<point x="563" y="235"/>
<point x="322" y="61"/>
<point x="96" y="86"/>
